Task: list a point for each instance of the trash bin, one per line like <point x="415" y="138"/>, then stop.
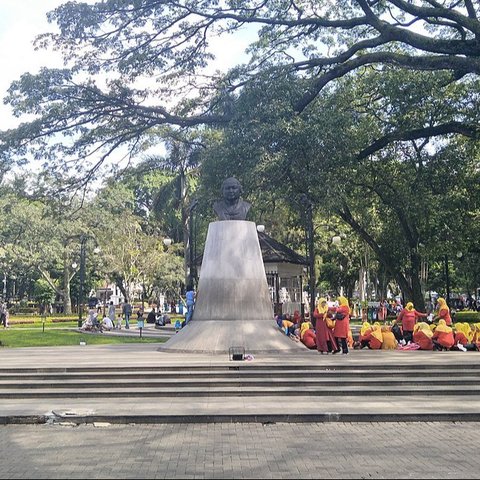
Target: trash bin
<point x="236" y="353"/>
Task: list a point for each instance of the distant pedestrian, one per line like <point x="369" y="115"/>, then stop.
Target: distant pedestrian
<point x="127" y="312"/>
<point x="119" y="322"/>
<point x="190" y="299"/>
<point x="4" y="315"/>
<point x="111" y="312"/>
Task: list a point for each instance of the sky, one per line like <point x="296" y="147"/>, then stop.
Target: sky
<point x="22" y="20"/>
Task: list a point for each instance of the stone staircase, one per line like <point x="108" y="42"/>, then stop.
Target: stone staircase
<point x="243" y="391"/>
<point x="242" y="380"/>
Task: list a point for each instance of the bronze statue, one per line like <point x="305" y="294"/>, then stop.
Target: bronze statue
<point x="232" y="206"/>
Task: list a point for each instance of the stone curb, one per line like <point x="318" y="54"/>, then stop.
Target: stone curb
<point x="327" y="417"/>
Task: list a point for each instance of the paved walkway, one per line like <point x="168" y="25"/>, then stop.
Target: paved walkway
<point x="341" y="450"/>
<point x="235" y="450"/>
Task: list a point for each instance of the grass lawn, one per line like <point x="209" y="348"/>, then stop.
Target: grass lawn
<point x="56" y="337"/>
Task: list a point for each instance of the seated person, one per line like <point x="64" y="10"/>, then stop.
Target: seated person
<point x="389" y="340"/>
<point x="307" y="335"/>
<point x="87" y="325"/>
<point x="107" y="323"/>
<point x="159" y="320"/>
<point x="443" y="336"/>
<point x="152" y="315"/>
<point x="376" y="337"/>
<point x="422" y="335"/>
<point x="364" y="336"/>
<point x="396" y="329"/>
<point x="463" y="337"/>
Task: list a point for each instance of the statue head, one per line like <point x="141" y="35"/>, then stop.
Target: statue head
<point x="231" y="189"/>
<point x="231" y="206"/>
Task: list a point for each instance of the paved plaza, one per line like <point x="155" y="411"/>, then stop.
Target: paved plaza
<point x="178" y="443"/>
<point x="239" y="450"/>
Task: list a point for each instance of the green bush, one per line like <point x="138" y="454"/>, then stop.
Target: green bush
<point x="467" y="316"/>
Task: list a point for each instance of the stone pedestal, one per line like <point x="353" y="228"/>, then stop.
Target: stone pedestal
<point x="233" y="306"/>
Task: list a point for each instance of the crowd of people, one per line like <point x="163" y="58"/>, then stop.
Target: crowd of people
<point x="330" y="331"/>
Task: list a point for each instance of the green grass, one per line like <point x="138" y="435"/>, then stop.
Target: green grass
<point x="14" y="338"/>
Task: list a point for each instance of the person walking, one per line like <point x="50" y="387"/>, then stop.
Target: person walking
<point x="127" y="312"/>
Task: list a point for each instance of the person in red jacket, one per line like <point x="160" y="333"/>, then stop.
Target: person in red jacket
<point x="443" y="336"/>
<point x="443" y="312"/>
<point x="342" y="324"/>
<point x="324" y="335"/>
<point x="307" y="335"/>
<point x="408" y="317"/>
<point x="422" y="335"/>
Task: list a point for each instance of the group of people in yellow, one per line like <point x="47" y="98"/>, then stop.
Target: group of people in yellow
<point x="332" y="332"/>
<point x="408" y="333"/>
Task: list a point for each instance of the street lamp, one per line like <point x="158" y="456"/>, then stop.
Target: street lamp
<point x="83" y="258"/>
<point x="191" y="236"/>
<point x="167" y="241"/>
<point x="260" y="228"/>
<point x="80" y="302"/>
<point x="310" y="249"/>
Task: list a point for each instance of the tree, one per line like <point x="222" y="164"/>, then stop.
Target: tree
<point x="316" y="42"/>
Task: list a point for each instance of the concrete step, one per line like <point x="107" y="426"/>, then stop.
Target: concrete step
<point x="174" y="373"/>
<point x="244" y="391"/>
<point x="265" y="381"/>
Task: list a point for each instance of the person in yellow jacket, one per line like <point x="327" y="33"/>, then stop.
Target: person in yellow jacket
<point x="389" y="340"/>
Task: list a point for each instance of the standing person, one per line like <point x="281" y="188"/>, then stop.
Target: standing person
<point x="127" y="312"/>
<point x="140" y="318"/>
<point x="4" y="315"/>
<point x="119" y="322"/>
<point x="443" y="312"/>
<point x="190" y="299"/>
<point x="408" y="317"/>
<point x="111" y="312"/>
<point x="342" y="324"/>
<point x="324" y="335"/>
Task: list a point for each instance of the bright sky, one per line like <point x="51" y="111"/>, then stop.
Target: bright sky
<point x="22" y="20"/>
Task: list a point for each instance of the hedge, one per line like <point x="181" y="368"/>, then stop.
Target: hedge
<point x="467" y="316"/>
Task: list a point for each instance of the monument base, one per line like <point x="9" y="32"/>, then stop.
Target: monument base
<point x="233" y="307"/>
<point x="217" y="336"/>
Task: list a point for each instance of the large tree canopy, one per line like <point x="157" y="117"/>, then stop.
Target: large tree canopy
<point x="101" y="102"/>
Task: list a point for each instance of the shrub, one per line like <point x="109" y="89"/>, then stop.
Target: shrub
<point x="467" y="316"/>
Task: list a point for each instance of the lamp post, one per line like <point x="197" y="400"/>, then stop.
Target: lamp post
<point x="81" y="302"/>
<point x="310" y="249"/>
<point x="191" y="234"/>
<point x="83" y="258"/>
